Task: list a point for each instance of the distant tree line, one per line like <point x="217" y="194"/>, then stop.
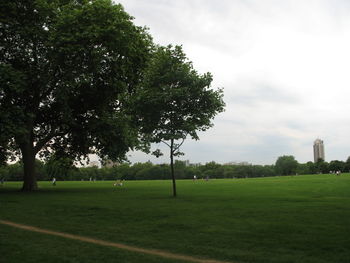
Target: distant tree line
<point x="137" y="171"/>
<point x="287" y="165"/>
<point x="63" y="169"/>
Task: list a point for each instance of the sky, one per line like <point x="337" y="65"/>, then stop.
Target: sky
<point x="284" y="67"/>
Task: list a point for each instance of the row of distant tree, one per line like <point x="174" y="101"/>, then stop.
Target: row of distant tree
<point x="64" y="170"/>
<point x="287" y="165"/>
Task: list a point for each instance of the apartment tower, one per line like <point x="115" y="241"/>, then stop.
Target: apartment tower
<point x="318" y="150"/>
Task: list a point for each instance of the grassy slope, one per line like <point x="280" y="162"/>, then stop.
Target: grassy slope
<point x="282" y="219"/>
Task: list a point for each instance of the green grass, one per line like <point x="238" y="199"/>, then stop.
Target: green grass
<point x="281" y="219"/>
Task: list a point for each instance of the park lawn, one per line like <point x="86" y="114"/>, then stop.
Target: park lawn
<point x="23" y="246"/>
<point x="277" y="219"/>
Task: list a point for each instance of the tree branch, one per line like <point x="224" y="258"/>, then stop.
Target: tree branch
<point x="176" y="148"/>
<point x="166" y="143"/>
<point x="40" y="144"/>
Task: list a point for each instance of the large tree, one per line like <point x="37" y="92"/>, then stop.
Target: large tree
<point x="175" y="102"/>
<point x="67" y="69"/>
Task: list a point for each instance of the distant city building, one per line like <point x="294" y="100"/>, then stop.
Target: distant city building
<point x="94" y="164"/>
<point x="109" y="163"/>
<point x="188" y="163"/>
<point x="318" y="150"/>
<point x="195" y="164"/>
<point x="238" y="163"/>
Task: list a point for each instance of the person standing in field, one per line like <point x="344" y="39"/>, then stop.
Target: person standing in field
<point x="54" y="181"/>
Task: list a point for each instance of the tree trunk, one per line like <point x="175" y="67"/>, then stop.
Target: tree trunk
<point x="29" y="179"/>
<point x="172" y="165"/>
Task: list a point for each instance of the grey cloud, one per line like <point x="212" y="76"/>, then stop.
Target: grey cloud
<point x="272" y="57"/>
<point x="251" y="93"/>
<point x="269" y="148"/>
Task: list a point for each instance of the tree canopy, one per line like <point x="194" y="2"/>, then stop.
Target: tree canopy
<point x="286" y="165"/>
<point x="67" y="70"/>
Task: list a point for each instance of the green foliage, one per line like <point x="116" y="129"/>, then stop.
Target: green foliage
<point x="336" y="165"/>
<point x="304" y="168"/>
<point x="4" y="173"/>
<point x="286" y="165"/>
<point x="62" y="169"/>
<point x="322" y="166"/>
<point x="174" y="100"/>
<point x="311" y="168"/>
<point x="211" y="170"/>
<point x="59" y="167"/>
<point x="347" y="165"/>
<point x="67" y="70"/>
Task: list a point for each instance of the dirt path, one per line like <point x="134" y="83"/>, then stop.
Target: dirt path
<point x="153" y="252"/>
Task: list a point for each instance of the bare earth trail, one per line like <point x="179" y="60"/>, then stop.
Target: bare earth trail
<point x="153" y="252"/>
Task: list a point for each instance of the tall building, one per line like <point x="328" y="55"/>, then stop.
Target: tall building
<point x="318" y="150"/>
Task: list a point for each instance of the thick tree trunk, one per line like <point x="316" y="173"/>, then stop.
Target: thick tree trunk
<point x="172" y="166"/>
<point x="29" y="179"/>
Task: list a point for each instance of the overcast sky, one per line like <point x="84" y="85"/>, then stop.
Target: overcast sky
<point x="284" y="67"/>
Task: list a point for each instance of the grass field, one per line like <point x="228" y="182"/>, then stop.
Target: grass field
<point x="280" y="219"/>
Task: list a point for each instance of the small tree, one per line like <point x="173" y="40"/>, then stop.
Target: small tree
<point x="175" y="101"/>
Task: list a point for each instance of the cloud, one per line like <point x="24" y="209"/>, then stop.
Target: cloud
<point x="250" y="93"/>
<point x="283" y="65"/>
